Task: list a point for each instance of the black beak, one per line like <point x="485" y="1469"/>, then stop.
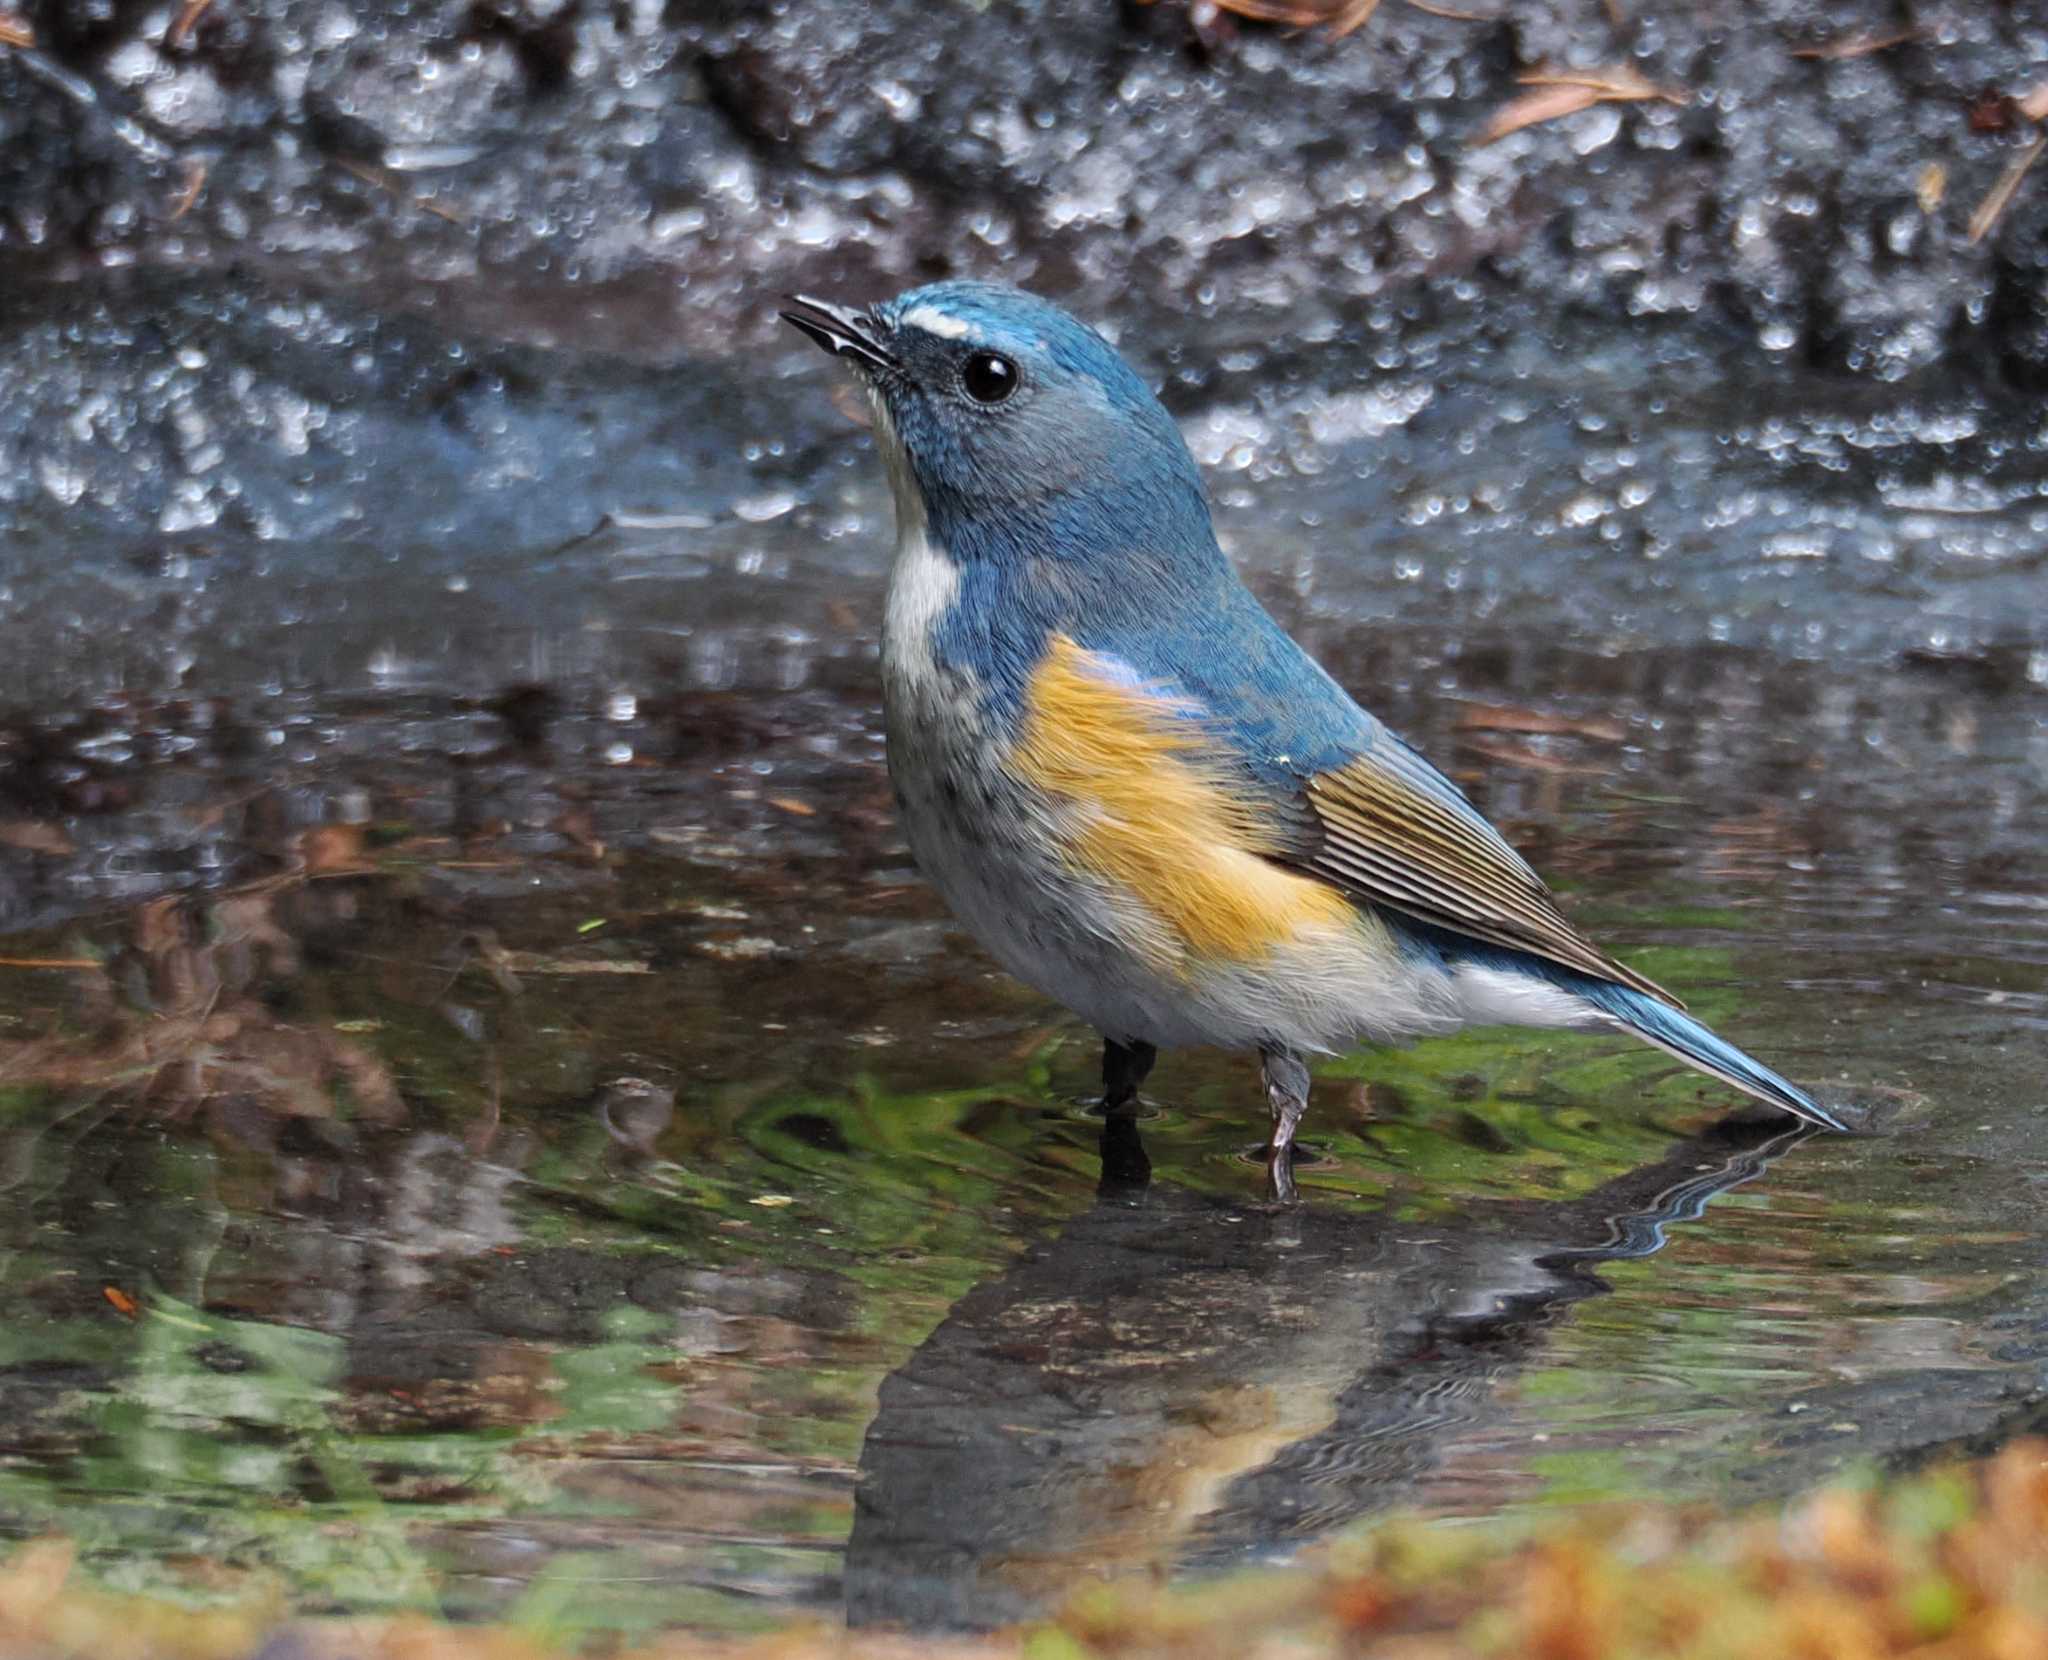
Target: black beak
<point x="842" y="332"/>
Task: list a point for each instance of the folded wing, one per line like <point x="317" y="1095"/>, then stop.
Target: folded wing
<point x="1391" y="830"/>
<point x="1343" y="799"/>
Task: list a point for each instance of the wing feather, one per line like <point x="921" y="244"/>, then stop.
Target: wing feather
<point x="1394" y="842"/>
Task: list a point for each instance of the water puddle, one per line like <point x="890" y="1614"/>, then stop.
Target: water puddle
<point x="491" y="1123"/>
<point x="482" y="1173"/>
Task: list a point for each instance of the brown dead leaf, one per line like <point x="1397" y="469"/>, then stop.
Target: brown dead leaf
<point x="1341" y="17"/>
<point x="1619" y="82"/>
<point x="1855" y="46"/>
<point x="15" y="30"/>
<point x="1551" y="104"/>
<point x="1993" y="207"/>
<point x="1559" y="93"/>
<point x="188" y="191"/>
<point x="1356" y="15"/>
<point x="181" y="26"/>
<point x="1299" y="14"/>
<point x="1453" y="13"/>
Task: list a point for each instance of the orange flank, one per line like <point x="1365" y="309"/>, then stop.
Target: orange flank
<point x="1152" y="811"/>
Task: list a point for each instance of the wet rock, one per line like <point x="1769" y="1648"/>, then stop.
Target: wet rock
<point x="1087" y="146"/>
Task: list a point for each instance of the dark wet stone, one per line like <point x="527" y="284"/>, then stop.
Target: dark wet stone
<point x="1080" y="142"/>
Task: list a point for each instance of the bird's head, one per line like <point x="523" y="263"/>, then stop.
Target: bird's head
<point x="1009" y="425"/>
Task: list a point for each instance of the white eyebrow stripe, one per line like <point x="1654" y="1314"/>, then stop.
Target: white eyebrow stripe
<point x="934" y="321"/>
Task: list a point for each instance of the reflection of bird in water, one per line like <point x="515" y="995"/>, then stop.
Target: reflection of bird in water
<point x="1176" y="1382"/>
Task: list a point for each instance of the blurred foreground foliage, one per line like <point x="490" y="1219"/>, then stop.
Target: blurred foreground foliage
<point x="1951" y="1564"/>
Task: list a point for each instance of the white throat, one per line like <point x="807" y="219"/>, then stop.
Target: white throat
<point x="923" y="579"/>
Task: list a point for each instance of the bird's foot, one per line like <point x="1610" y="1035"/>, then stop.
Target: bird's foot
<point x="1125" y="1067"/>
<point x="1286" y="1079"/>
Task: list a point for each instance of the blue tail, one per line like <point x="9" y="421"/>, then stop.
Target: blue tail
<point x="1671" y="1029"/>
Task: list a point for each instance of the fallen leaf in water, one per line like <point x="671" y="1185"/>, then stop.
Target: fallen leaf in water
<point x="1559" y="93"/>
<point x="122" y="1302"/>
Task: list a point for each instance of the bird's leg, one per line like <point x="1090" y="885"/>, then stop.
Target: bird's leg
<point x="1124" y="1067"/>
<point x="1286" y="1076"/>
<point x="1125" y="1166"/>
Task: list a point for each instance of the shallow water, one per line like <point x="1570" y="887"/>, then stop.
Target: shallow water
<point x="411" y="816"/>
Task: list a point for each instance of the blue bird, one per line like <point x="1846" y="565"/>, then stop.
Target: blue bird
<point x="1125" y="778"/>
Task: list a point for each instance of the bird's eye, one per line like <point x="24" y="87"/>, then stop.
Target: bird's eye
<point x="988" y="378"/>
